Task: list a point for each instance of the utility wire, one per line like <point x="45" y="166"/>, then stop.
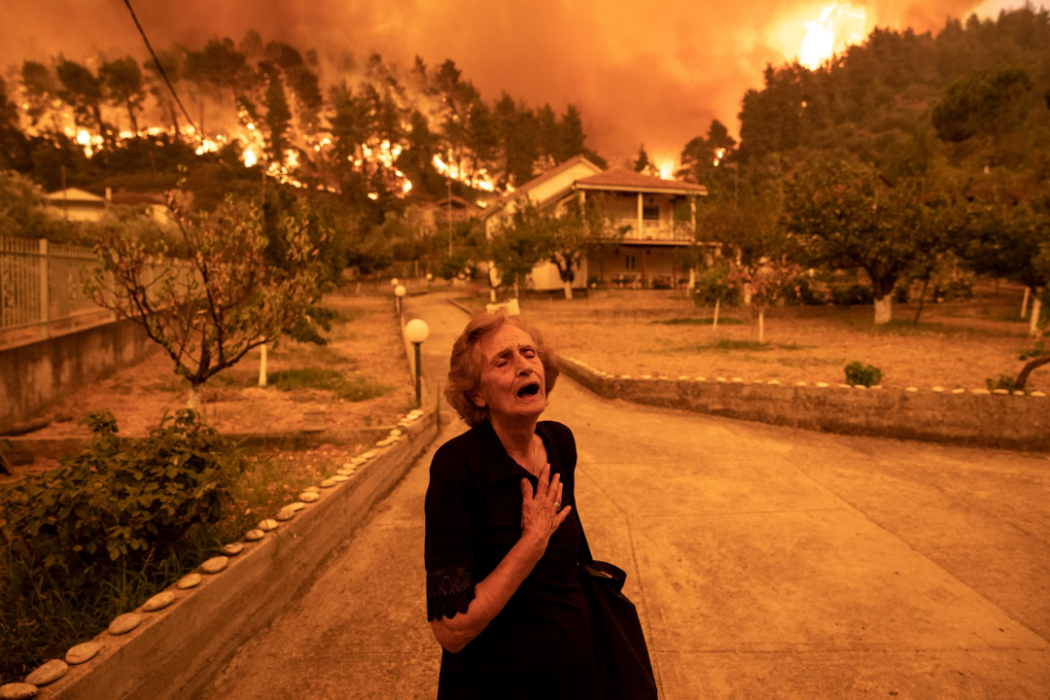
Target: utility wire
<point x="160" y="69"/>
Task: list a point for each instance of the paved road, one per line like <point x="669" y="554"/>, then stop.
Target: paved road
<point x="766" y="563"/>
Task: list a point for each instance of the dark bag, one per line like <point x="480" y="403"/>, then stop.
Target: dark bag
<point x="616" y="632"/>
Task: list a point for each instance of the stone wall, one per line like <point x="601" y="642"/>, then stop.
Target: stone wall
<point x="34" y="375"/>
<point x="959" y="417"/>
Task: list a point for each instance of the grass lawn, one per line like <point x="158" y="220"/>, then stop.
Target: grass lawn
<point x="959" y="344"/>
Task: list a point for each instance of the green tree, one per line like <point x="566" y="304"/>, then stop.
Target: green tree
<point x="278" y="115"/>
<point x="226" y="300"/>
<point x="169" y="62"/>
<point x="642" y="164"/>
<point x="40" y="90"/>
<point x="844" y="214"/>
<point x="522" y="240"/>
<point x="124" y="86"/>
<point x="82" y="90"/>
<point x="982" y="104"/>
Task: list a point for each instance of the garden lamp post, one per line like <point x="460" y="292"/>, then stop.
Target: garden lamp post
<point x="417" y="331"/>
<point x="430" y="278"/>
<point x="399" y="292"/>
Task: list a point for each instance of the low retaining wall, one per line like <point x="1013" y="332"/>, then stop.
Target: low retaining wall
<point x="175" y="652"/>
<point x="34" y="375"/>
<point x="960" y="417"/>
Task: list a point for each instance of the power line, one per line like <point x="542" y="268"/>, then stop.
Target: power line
<point x="160" y="69"/>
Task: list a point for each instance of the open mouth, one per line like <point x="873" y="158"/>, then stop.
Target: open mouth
<point x="530" y="389"/>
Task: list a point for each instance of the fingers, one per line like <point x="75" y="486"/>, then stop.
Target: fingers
<point x="526" y="489"/>
<point x="560" y="517"/>
<point x="543" y="486"/>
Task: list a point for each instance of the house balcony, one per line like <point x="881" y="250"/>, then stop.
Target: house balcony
<point x="659" y="232"/>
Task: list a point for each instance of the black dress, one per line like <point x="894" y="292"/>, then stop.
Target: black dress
<point x="539" y="644"/>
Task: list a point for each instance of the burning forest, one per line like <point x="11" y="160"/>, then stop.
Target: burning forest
<point x="368" y="130"/>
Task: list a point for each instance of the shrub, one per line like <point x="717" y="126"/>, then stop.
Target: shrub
<point x="108" y="528"/>
<point x="119" y="503"/>
<point x="712" y="284"/>
<point x="804" y="294"/>
<point x="960" y="289"/>
<point x="853" y="295"/>
<point x="864" y="375"/>
<point x="1005" y="381"/>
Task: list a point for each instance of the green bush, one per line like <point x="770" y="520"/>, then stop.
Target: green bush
<point x="803" y="293"/>
<point x="712" y="284"/>
<point x="1005" y="381"/>
<point x="864" y="375"/>
<point x="119" y="502"/>
<point x="954" y="290"/>
<point x="105" y="530"/>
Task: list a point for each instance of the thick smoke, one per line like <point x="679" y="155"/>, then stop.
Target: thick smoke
<point x="640" y="72"/>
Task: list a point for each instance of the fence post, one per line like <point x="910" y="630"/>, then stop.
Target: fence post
<point x="45" y="289"/>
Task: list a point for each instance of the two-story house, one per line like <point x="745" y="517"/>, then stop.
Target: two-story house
<point x="642" y="205"/>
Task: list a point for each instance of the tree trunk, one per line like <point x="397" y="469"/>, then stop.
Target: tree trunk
<point x="263" y="376"/>
<point x="714" y="323"/>
<point x="195" y="401"/>
<point x="1027" y="369"/>
<point x="568" y="290"/>
<point x="131" y="117"/>
<point x="1037" y="311"/>
<point x="922" y="294"/>
<point x="761" y="326"/>
<point x="1024" y="302"/>
<point x="515" y="285"/>
<point x="692" y="282"/>
<point x="884" y="309"/>
<point x="492" y="294"/>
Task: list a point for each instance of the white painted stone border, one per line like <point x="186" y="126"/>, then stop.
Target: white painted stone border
<point x="974" y="416"/>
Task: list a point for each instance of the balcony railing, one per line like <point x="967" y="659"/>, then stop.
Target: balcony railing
<point x="654" y="231"/>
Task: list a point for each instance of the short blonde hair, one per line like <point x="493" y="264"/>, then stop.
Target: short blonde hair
<point x="464" y="374"/>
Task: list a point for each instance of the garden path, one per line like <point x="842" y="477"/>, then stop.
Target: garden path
<point x="765" y="562"/>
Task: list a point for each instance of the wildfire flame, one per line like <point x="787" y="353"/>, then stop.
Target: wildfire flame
<point x="667" y="170"/>
<point x="720" y="153"/>
<point x="838" y="26"/>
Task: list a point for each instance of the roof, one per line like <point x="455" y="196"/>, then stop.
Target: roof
<point x="138" y="198"/>
<point x="74" y="195"/>
<point x="628" y="180"/>
<point x="537" y="181"/>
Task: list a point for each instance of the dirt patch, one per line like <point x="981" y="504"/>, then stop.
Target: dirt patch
<point x="365" y="356"/>
<point x="652" y="332"/>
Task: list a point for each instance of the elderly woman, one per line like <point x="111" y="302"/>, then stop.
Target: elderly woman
<point x="502" y="535"/>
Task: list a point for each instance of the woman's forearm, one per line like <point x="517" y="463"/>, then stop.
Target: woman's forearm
<point x="490" y="596"/>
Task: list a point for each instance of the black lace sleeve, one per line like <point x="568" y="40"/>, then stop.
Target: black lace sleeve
<point x="449" y="591"/>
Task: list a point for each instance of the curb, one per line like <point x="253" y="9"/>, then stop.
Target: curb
<point x="173" y="653"/>
<point x="975" y="417"/>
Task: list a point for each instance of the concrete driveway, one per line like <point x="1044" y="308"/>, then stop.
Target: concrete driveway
<point x="765" y="562"/>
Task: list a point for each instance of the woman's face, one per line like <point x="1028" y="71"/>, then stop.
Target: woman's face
<point x="512" y="377"/>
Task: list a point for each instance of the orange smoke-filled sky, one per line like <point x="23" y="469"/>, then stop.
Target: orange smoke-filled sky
<point x="652" y="72"/>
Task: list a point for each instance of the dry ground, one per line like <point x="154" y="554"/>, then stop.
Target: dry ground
<point x="954" y="345"/>
<point x="365" y="347"/>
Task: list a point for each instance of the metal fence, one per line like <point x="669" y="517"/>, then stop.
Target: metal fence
<point x="41" y="283"/>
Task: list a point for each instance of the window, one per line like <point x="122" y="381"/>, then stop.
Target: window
<point x="650" y="213"/>
<point x="629" y="262"/>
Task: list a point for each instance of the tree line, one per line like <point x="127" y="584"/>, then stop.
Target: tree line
<point x="333" y="117"/>
<point x="907" y="157"/>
